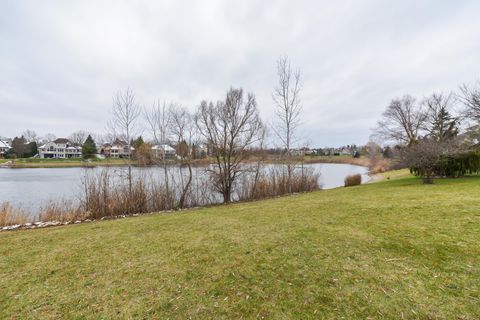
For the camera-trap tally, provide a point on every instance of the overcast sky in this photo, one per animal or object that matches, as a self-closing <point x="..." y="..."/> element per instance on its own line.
<point x="61" y="61"/>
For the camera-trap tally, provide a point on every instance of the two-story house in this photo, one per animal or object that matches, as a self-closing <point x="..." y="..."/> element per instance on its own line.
<point x="60" y="148"/>
<point x="164" y="151"/>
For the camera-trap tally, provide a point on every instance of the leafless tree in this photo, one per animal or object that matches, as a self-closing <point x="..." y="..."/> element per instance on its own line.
<point x="470" y="97"/>
<point x="50" y="137"/>
<point x="183" y="131"/>
<point x="440" y="124"/>
<point x="402" y="121"/>
<point x="100" y="138"/>
<point x="257" y="170"/>
<point x="124" y="124"/>
<point x="230" y="127"/>
<point x="158" y="119"/>
<point x="78" y="137"/>
<point x="288" y="109"/>
<point x="31" y="136"/>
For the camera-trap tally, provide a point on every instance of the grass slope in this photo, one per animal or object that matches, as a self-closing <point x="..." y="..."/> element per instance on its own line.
<point x="387" y="250"/>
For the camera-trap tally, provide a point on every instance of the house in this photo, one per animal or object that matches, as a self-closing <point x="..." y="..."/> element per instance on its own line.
<point x="116" y="149"/>
<point x="164" y="152"/>
<point x="60" y="148"/>
<point x="4" y="148"/>
<point x="346" y="152"/>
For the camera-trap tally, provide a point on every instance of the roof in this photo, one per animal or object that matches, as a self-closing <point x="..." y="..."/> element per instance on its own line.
<point x="4" y="144"/>
<point x="119" y="142"/>
<point x="61" y="140"/>
<point x="164" y="147"/>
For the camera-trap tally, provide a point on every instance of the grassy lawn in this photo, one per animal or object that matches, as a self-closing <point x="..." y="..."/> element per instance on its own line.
<point x="389" y="250"/>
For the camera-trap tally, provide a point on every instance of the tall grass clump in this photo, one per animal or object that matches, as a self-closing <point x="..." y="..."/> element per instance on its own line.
<point x="62" y="211"/>
<point x="274" y="182"/>
<point x="106" y="195"/>
<point x="353" y="180"/>
<point x="11" y="216"/>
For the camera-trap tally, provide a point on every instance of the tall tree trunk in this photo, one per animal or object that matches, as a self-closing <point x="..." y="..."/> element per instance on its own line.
<point x="165" y="173"/>
<point x="187" y="187"/>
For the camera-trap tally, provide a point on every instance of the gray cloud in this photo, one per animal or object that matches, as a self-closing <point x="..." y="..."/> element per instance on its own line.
<point x="61" y="61"/>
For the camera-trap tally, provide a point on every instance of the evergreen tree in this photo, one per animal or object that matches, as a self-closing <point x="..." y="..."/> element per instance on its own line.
<point x="89" y="149"/>
<point x="443" y="126"/>
<point x="20" y="147"/>
<point x="33" y="149"/>
<point x="138" y="142"/>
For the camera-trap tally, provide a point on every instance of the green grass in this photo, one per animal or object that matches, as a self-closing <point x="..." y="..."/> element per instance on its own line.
<point x="386" y="250"/>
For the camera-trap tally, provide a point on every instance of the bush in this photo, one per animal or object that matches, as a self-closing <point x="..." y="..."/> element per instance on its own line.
<point x="353" y="180"/>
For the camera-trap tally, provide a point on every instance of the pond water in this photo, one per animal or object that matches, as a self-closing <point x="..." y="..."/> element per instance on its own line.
<point x="29" y="188"/>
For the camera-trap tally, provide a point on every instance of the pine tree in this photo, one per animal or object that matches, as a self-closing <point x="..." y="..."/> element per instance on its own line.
<point x="138" y="142"/>
<point x="89" y="148"/>
<point x="33" y="149"/>
<point x="443" y="126"/>
<point x="20" y="147"/>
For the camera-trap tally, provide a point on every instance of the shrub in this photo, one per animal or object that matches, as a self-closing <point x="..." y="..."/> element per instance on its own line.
<point x="353" y="180"/>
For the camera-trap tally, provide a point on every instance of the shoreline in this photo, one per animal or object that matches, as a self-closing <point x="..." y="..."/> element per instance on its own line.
<point x="363" y="162"/>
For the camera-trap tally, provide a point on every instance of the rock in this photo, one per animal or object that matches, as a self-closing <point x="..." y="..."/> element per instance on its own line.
<point x="12" y="227"/>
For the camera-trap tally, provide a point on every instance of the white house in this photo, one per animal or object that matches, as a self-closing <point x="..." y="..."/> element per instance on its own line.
<point x="164" y="151"/>
<point x="60" y="149"/>
<point x="4" y="147"/>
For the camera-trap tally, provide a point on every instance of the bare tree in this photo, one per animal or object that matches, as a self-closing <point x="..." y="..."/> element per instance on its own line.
<point x="440" y="124"/>
<point x="402" y="121"/>
<point x="183" y="130"/>
<point x="50" y="137"/>
<point x="230" y="127"/>
<point x="288" y="109"/>
<point x="158" y="119"/>
<point x="125" y="113"/>
<point x="31" y="136"/>
<point x="78" y="137"/>
<point x="470" y="97"/>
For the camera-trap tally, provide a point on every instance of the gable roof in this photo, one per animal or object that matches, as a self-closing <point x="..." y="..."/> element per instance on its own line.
<point x="61" y="140"/>
<point x="119" y="142"/>
<point x="163" y="147"/>
<point x="4" y="144"/>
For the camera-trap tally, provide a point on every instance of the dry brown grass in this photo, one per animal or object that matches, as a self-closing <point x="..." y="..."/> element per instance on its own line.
<point x="104" y="197"/>
<point x="11" y="216"/>
<point x="353" y="180"/>
<point x="379" y="165"/>
<point x="63" y="211"/>
<point x="274" y="182"/>
<point x="363" y="161"/>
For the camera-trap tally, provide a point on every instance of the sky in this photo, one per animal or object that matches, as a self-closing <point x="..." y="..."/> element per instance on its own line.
<point x="62" y="61"/>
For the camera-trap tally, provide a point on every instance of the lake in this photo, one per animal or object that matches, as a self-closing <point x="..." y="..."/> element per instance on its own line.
<point x="31" y="187"/>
